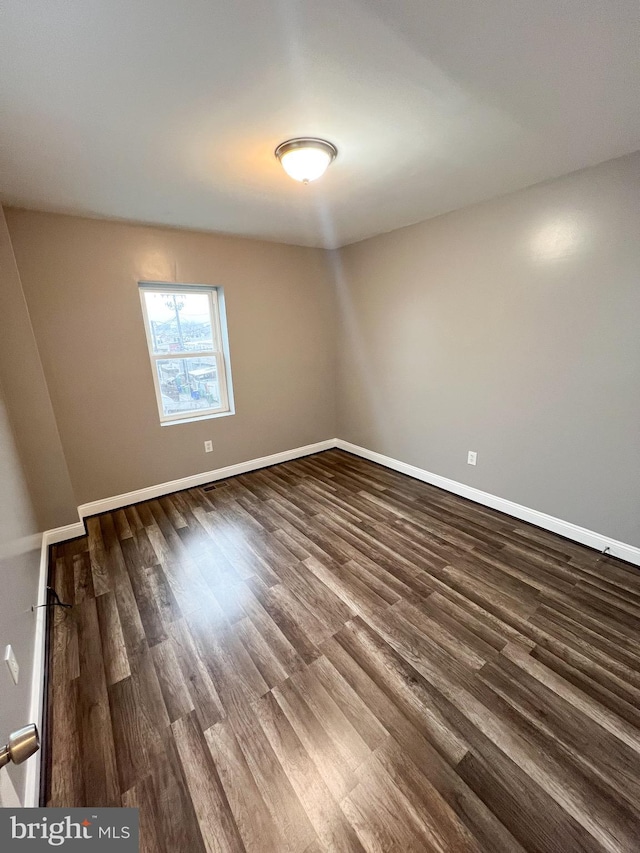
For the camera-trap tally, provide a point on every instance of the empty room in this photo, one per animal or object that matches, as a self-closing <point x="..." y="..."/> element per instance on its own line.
<point x="320" y="426"/>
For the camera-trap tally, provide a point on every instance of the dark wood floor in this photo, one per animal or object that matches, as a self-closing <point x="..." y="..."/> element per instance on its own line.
<point x="327" y="655"/>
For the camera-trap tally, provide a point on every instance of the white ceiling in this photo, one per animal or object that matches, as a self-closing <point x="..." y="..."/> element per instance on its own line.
<point x="168" y="111"/>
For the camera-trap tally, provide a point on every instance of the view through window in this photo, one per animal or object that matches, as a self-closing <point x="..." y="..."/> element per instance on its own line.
<point x="184" y="334"/>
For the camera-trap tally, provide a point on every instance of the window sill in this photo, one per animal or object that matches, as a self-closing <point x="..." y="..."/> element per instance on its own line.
<point x="194" y="418"/>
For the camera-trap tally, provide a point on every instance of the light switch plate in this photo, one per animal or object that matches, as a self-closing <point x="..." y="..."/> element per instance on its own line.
<point x="12" y="663"/>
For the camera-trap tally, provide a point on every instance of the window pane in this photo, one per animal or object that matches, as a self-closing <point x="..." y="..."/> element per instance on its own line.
<point x="188" y="384"/>
<point x="179" y="322"/>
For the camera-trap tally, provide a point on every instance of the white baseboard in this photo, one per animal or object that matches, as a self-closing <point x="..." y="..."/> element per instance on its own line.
<point x="49" y="537"/>
<point x="630" y="553"/>
<point x="151" y="492"/>
<point x="32" y="779"/>
<point x="71" y="531"/>
<point x="62" y="534"/>
<point x="582" y="535"/>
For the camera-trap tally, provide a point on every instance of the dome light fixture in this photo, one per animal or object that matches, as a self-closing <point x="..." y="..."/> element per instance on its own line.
<point x="306" y="159"/>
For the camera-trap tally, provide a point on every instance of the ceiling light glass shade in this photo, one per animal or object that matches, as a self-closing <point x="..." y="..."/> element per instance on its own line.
<point x="306" y="159"/>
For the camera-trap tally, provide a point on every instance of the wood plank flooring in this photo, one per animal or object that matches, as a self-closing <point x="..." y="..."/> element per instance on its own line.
<point x="330" y="656"/>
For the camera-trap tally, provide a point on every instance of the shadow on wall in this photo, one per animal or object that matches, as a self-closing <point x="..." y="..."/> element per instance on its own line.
<point x="19" y="567"/>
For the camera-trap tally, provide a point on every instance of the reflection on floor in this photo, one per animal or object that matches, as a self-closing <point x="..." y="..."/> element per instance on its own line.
<point x="329" y="656"/>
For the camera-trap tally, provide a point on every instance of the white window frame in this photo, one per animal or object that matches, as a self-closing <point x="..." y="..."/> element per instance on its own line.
<point x="219" y="352"/>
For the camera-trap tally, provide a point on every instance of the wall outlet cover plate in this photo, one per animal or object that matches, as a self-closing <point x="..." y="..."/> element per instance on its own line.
<point x="12" y="663"/>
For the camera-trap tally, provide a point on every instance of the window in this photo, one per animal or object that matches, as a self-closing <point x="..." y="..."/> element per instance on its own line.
<point x="186" y="327"/>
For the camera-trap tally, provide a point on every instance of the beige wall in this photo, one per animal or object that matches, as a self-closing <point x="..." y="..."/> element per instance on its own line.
<point x="28" y="402"/>
<point x="80" y="278"/>
<point x="509" y="328"/>
<point x="19" y="566"/>
<point x="35" y="490"/>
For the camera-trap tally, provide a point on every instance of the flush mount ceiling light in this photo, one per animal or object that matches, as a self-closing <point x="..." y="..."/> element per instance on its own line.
<point x="306" y="159"/>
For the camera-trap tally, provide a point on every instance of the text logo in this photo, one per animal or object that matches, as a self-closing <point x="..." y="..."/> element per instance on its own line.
<point x="105" y="830"/>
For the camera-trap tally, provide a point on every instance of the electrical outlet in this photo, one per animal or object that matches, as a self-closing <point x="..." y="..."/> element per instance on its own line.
<point x="12" y="663"/>
<point x="472" y="457"/>
<point x="208" y="446"/>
